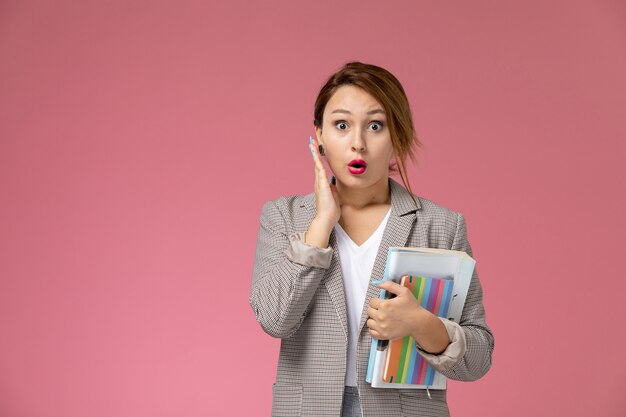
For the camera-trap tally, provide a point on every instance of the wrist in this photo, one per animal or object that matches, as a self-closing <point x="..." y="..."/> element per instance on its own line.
<point x="429" y="332"/>
<point x="420" y="319"/>
<point x="323" y="223"/>
<point x="318" y="233"/>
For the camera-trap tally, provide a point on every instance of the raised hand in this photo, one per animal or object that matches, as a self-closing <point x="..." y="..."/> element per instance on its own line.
<point x="326" y="201"/>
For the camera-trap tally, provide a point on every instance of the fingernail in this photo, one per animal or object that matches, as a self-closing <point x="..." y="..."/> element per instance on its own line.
<point x="310" y="140"/>
<point x="377" y="282"/>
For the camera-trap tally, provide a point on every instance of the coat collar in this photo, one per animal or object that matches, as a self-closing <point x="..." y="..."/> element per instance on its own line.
<point x="399" y="225"/>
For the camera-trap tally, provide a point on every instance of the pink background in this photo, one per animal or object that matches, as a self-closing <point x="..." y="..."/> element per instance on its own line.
<point x="139" y="140"/>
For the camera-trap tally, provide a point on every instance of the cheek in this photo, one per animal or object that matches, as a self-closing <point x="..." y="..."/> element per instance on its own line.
<point x="386" y="152"/>
<point x="332" y="146"/>
<point x="333" y="161"/>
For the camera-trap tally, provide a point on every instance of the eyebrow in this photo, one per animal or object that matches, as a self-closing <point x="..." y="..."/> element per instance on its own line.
<point x="375" y="111"/>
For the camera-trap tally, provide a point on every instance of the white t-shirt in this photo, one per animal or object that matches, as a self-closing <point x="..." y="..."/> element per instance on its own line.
<point x="356" y="265"/>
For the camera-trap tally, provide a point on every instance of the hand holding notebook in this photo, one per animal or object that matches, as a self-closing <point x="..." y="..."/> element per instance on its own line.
<point x="402" y="314"/>
<point x="441" y="267"/>
<point x="394" y="317"/>
<point x="402" y="363"/>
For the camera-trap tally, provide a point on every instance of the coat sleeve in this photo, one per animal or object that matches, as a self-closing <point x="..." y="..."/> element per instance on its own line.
<point x="479" y="340"/>
<point x="286" y="275"/>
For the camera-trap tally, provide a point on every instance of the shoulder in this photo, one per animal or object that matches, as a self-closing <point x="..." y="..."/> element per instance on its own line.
<point x="444" y="228"/>
<point x="436" y="213"/>
<point x="289" y="205"/>
<point x="437" y="226"/>
<point x="426" y="210"/>
<point x="289" y="212"/>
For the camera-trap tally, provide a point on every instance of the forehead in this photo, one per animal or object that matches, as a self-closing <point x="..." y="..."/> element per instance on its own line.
<point x="353" y="99"/>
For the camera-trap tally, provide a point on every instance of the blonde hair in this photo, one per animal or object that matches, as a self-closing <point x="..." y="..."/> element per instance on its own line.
<point x="388" y="91"/>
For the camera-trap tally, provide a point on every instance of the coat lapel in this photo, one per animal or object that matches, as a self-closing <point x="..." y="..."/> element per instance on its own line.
<point x="399" y="226"/>
<point x="401" y="222"/>
<point x="333" y="281"/>
<point x="334" y="284"/>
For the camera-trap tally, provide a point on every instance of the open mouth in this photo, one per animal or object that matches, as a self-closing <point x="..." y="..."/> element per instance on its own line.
<point x="357" y="166"/>
<point x="358" y="163"/>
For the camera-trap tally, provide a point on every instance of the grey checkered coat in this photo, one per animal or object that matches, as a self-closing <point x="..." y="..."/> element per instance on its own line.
<point x="305" y="306"/>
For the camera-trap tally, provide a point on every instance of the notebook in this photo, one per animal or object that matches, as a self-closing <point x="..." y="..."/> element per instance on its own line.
<point x="439" y="266"/>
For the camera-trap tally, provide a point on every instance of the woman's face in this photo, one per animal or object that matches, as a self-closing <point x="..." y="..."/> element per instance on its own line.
<point x="356" y="138"/>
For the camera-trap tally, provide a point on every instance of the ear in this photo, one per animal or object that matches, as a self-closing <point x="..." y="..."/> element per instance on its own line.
<point x="318" y="135"/>
<point x="394" y="166"/>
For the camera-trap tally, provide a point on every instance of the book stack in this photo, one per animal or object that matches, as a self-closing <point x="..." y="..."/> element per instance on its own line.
<point x="439" y="279"/>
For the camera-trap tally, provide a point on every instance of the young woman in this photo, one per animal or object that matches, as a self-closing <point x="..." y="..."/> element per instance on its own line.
<point x="319" y="256"/>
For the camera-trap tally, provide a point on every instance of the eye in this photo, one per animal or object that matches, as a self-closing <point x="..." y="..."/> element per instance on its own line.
<point x="376" y="126"/>
<point x="341" y="125"/>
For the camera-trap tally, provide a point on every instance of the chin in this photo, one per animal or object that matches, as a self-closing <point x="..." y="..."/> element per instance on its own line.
<point x="357" y="182"/>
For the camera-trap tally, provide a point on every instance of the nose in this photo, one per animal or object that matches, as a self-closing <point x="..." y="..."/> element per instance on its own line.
<point x="358" y="141"/>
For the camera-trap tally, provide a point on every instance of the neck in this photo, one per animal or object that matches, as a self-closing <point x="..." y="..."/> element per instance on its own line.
<point x="359" y="198"/>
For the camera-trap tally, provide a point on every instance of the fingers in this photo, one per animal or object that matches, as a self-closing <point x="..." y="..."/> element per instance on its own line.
<point x="377" y="335"/>
<point x="372" y="325"/>
<point x="375" y="330"/>
<point x="313" y="146"/>
<point x="392" y="287"/>
<point x="326" y="194"/>
<point x="320" y="172"/>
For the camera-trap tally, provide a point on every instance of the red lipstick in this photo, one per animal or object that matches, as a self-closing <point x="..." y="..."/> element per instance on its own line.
<point x="357" y="166"/>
